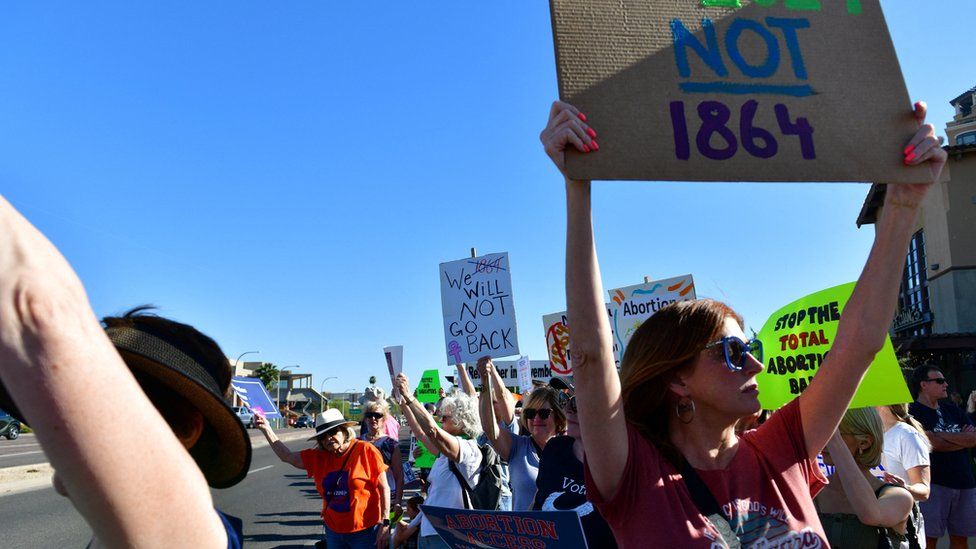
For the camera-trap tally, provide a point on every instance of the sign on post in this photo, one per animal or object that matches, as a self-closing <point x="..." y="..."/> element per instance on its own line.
<point x="463" y="528"/>
<point x="252" y="393"/>
<point x="556" y="327"/>
<point x="479" y="315"/>
<point x="524" y="368"/>
<point x="796" y="340"/>
<point x="730" y="90"/>
<point x="394" y="363"/>
<point x="635" y="304"/>
<point x="428" y="390"/>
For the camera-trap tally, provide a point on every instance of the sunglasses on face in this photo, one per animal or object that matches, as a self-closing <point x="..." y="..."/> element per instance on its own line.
<point x="939" y="380"/>
<point x="567" y="402"/>
<point x="543" y="413"/>
<point x="735" y="350"/>
<point x="373" y="415"/>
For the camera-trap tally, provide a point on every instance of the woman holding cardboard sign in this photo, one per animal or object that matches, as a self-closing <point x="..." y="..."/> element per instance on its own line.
<point x="689" y="374"/>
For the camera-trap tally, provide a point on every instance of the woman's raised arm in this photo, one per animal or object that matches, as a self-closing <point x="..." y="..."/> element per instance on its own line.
<point x="280" y="449"/>
<point x="865" y="320"/>
<point x="423" y="424"/>
<point x="601" y="413"/>
<point x="52" y="347"/>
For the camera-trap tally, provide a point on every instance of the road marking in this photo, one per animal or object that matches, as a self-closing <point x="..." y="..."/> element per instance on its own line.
<point x="259" y="469"/>
<point x="18" y="445"/>
<point x="21" y="454"/>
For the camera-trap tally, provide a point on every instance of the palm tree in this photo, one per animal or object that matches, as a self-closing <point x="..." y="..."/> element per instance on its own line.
<point x="269" y="374"/>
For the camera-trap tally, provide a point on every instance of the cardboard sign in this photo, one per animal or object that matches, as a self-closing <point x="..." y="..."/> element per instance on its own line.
<point x="426" y="459"/>
<point x="508" y="370"/>
<point x="723" y="90"/>
<point x="394" y="363"/>
<point x="252" y="393"/>
<point x="556" y="326"/>
<point x="479" y="315"/>
<point x="634" y="304"/>
<point x="464" y="529"/>
<point x="429" y="388"/>
<point x="523" y="367"/>
<point x="795" y="341"/>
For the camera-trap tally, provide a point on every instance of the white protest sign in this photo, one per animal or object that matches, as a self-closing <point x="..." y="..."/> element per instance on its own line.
<point x="635" y="304"/>
<point x="556" y="327"/>
<point x="508" y="370"/>
<point x="524" y="372"/>
<point x="394" y="363"/>
<point x="479" y="314"/>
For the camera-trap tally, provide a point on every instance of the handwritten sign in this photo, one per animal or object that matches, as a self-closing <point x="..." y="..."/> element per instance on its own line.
<point x="254" y="396"/>
<point x="479" y="315"/>
<point x="428" y="390"/>
<point x="523" y="367"/>
<point x="464" y="529"/>
<point x="394" y="363"/>
<point x="635" y="304"/>
<point x="539" y="370"/>
<point x="730" y="90"/>
<point x="796" y="340"/>
<point x="556" y="327"/>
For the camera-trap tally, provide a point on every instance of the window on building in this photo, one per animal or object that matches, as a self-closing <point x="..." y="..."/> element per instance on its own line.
<point x="914" y="295"/>
<point x="968" y="138"/>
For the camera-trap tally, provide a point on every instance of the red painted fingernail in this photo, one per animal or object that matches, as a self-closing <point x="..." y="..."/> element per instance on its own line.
<point x="582" y="117"/>
<point x="909" y="149"/>
<point x="590" y="132"/>
<point x="586" y="148"/>
<point x="910" y="157"/>
<point x="595" y="145"/>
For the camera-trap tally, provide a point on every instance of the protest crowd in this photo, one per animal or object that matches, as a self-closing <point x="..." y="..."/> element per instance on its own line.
<point x="671" y="449"/>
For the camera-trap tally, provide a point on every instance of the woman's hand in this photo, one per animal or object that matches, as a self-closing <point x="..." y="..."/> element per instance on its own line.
<point x="566" y="128"/>
<point x="893" y="479"/>
<point x="402" y="385"/>
<point x="484" y="368"/>
<point x="383" y="537"/>
<point x="261" y="423"/>
<point x="924" y="147"/>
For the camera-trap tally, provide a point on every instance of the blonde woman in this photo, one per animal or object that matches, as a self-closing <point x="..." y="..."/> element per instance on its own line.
<point x="858" y="508"/>
<point x="375" y="416"/>
<point x="906" y="450"/>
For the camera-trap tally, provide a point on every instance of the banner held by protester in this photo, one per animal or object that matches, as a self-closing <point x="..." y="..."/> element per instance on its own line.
<point x="463" y="528"/>
<point x="479" y="313"/>
<point x="797" y="338"/>
<point x="255" y="396"/>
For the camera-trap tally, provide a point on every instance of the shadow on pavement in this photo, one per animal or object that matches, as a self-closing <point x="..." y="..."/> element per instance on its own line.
<point x="291" y="514"/>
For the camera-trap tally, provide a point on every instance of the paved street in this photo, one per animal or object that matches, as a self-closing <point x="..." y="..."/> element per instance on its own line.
<point x="23" y="451"/>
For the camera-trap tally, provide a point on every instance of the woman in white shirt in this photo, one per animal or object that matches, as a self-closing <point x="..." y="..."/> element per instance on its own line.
<point x="906" y="454"/>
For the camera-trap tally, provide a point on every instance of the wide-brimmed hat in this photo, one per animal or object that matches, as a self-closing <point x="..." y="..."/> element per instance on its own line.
<point x="329" y="420"/>
<point x="223" y="451"/>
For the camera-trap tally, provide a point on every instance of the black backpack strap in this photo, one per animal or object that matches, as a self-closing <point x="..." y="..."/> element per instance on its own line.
<point x="465" y="489"/>
<point x="707" y="505"/>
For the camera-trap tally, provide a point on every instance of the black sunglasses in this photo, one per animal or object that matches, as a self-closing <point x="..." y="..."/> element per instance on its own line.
<point x="543" y="413"/>
<point x="373" y="415"/>
<point x="567" y="401"/>
<point x="939" y="380"/>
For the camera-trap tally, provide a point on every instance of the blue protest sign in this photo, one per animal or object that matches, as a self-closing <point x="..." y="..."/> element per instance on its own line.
<point x="465" y="529"/>
<point x="252" y="392"/>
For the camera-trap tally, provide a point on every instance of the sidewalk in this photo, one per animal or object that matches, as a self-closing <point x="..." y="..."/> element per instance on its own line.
<point x="38" y="475"/>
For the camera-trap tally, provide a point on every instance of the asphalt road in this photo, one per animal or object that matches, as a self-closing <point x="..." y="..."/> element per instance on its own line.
<point x="24" y="450"/>
<point x="278" y="504"/>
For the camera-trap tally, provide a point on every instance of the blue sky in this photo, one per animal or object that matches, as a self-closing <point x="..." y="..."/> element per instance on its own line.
<point x="287" y="176"/>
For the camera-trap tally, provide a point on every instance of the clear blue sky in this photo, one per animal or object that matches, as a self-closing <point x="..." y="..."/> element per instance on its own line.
<point x="287" y="176"/>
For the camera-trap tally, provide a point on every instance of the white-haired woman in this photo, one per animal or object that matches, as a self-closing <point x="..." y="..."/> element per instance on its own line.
<point x="375" y="415"/>
<point x="459" y="416"/>
<point x="858" y="509"/>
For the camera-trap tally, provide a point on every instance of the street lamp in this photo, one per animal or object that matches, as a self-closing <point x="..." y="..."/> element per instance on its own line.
<point x="322" y="388"/>
<point x="278" y="392"/>
<point x="236" y="398"/>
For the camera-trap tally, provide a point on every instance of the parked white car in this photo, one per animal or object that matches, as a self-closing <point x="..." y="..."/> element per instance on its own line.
<point x="246" y="416"/>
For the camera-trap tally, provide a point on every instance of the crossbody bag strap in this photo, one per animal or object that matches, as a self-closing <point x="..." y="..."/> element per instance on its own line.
<point x="465" y="489"/>
<point x="328" y="500"/>
<point x="707" y="505"/>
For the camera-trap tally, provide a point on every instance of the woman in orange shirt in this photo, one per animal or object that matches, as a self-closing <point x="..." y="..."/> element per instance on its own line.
<point x="351" y="478"/>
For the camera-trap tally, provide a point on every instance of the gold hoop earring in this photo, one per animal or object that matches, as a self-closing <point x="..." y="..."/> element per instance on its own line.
<point x="685" y="407"/>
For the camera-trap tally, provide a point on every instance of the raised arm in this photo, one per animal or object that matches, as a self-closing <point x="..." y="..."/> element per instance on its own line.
<point x="501" y="397"/>
<point x="500" y="439"/>
<point x="464" y="381"/>
<point x="888" y="510"/>
<point x="283" y="452"/>
<point x="601" y="412"/>
<point x="422" y="422"/>
<point x="865" y="320"/>
<point x="51" y="348"/>
<point x="415" y="427"/>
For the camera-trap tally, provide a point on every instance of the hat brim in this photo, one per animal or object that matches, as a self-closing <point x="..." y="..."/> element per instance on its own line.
<point x="324" y="429"/>
<point x="223" y="451"/>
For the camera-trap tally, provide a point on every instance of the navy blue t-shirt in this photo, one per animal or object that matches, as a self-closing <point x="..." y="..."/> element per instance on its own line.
<point x="949" y="469"/>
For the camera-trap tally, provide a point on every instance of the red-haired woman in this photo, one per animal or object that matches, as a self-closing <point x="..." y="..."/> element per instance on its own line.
<point x="660" y="442"/>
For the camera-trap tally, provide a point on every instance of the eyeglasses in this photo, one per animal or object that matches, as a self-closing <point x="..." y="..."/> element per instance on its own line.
<point x="543" y="413"/>
<point x="735" y="350"/>
<point x="373" y="415"/>
<point x="939" y="380"/>
<point x="567" y="401"/>
<point x="445" y="417"/>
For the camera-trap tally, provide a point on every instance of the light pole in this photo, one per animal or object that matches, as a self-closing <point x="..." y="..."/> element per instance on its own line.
<point x="278" y="393"/>
<point x="321" y="397"/>
<point x="235" y="368"/>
